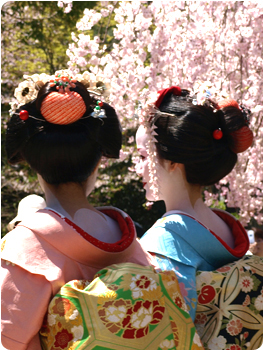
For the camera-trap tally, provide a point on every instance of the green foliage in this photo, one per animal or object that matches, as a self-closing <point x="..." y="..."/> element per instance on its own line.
<point x="36" y="34"/>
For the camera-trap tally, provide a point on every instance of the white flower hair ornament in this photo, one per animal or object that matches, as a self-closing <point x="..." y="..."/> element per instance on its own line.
<point x="204" y="92"/>
<point x="147" y="119"/>
<point x="73" y="104"/>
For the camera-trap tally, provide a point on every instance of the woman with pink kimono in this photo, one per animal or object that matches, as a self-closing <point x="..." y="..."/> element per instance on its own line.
<point x="61" y="130"/>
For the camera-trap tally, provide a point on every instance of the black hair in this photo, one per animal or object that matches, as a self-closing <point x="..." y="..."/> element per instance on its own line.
<point x="258" y="233"/>
<point x="186" y="136"/>
<point x="63" y="153"/>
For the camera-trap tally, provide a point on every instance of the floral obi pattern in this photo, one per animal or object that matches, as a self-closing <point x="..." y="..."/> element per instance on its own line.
<point x="126" y="306"/>
<point x="229" y="313"/>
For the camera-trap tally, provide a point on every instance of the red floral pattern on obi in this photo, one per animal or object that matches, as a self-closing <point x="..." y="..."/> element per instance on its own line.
<point x="61" y="306"/>
<point x="125" y="304"/>
<point x="143" y="283"/>
<point x="140" y="316"/>
<point x="62" y="339"/>
<point x="134" y="319"/>
<point x="112" y="314"/>
<point x="175" y="333"/>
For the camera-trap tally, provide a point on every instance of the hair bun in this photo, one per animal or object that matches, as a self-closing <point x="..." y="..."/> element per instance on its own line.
<point x="63" y="108"/>
<point x="242" y="138"/>
<point x="228" y="103"/>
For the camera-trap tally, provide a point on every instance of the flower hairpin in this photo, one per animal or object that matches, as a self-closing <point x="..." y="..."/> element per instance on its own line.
<point x="147" y="114"/>
<point x="98" y="112"/>
<point x="94" y="84"/>
<point x="28" y="90"/>
<point x="205" y="94"/>
<point x="63" y="81"/>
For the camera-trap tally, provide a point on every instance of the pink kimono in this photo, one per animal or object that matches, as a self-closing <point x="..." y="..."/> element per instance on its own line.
<point x="42" y="254"/>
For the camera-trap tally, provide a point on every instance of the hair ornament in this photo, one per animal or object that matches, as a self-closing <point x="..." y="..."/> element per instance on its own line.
<point x="23" y="115"/>
<point x="217" y="134"/>
<point x="228" y="103"/>
<point x="94" y="84"/>
<point x="246" y="113"/>
<point x="147" y="119"/>
<point x="175" y="90"/>
<point x="63" y="82"/>
<point x="74" y="107"/>
<point x="98" y="112"/>
<point x="243" y="137"/>
<point x="26" y="91"/>
<point x="205" y="94"/>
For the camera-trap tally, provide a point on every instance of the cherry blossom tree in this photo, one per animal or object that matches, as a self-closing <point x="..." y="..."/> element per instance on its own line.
<point x="159" y="44"/>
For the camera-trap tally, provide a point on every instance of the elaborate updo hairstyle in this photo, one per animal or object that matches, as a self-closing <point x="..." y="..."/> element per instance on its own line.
<point x="205" y="138"/>
<point x="63" y="152"/>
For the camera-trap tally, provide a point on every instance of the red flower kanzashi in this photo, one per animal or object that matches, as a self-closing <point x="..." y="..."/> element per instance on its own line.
<point x="62" y="339"/>
<point x="61" y="306"/>
<point x="140" y="316"/>
<point x="234" y="327"/>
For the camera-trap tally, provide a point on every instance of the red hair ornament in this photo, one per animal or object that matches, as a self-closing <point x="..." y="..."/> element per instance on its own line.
<point x="217" y="134"/>
<point x="175" y="90"/>
<point x="23" y="115"/>
<point x="243" y="137"/>
<point x="228" y="103"/>
<point x="63" y="108"/>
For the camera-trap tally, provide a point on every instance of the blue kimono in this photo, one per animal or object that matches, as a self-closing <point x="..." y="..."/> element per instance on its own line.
<point x="181" y="243"/>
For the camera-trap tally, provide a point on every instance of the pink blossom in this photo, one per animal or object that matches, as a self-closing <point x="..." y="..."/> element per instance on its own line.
<point x="189" y="41"/>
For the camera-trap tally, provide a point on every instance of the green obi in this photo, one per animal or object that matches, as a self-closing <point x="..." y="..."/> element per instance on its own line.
<point x="126" y="306"/>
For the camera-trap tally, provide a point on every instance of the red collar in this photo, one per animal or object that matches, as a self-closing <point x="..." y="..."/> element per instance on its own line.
<point x="126" y="226"/>
<point x="239" y="233"/>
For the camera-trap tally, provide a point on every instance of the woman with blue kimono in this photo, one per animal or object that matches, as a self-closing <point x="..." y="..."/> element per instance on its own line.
<point x="185" y="143"/>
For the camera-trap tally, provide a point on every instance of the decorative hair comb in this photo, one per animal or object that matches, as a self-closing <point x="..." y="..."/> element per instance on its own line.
<point x="62" y="106"/>
<point x="146" y="119"/>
